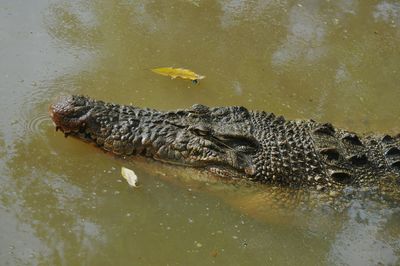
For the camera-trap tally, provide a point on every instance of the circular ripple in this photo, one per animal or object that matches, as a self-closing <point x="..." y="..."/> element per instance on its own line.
<point x="37" y="123"/>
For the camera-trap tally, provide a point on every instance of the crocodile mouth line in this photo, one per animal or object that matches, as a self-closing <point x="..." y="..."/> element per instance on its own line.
<point x="219" y="169"/>
<point x="215" y="168"/>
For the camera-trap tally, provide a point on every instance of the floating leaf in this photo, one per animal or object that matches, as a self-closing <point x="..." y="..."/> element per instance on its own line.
<point x="178" y="73"/>
<point x="130" y="176"/>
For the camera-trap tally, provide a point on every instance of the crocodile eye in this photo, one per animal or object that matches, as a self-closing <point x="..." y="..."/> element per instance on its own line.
<point x="202" y="133"/>
<point x="200" y="130"/>
<point x="240" y="143"/>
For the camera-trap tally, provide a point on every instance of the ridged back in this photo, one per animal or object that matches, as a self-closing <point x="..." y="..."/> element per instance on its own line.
<point x="304" y="152"/>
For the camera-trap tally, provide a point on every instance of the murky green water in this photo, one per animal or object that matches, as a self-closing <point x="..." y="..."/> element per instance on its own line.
<point x="64" y="203"/>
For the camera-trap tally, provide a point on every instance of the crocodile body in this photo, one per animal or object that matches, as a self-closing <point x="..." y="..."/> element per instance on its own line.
<point x="233" y="142"/>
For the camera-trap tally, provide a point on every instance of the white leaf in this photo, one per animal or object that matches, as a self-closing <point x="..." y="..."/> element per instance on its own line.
<point x="130" y="176"/>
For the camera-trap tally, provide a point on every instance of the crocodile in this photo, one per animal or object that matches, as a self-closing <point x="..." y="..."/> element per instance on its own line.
<point x="235" y="143"/>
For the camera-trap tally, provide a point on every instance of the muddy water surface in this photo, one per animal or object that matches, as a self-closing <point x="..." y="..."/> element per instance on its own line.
<point x="64" y="203"/>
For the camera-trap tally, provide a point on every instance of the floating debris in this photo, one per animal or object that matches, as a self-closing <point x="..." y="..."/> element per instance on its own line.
<point x="214" y="253"/>
<point x="178" y="73"/>
<point x="130" y="176"/>
<point x="194" y="2"/>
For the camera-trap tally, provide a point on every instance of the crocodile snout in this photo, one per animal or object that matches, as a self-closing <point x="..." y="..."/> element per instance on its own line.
<point x="69" y="113"/>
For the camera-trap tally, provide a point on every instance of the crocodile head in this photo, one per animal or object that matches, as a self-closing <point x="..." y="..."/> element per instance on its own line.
<point x="217" y="139"/>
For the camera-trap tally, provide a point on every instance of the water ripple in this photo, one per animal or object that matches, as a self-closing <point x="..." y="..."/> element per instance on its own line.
<point x="37" y="123"/>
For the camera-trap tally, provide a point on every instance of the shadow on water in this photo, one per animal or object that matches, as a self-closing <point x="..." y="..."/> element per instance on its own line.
<point x="310" y="60"/>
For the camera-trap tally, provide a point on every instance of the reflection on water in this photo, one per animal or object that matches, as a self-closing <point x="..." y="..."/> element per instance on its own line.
<point x="363" y="232"/>
<point x="388" y="12"/>
<point x="73" y="24"/>
<point x="63" y="202"/>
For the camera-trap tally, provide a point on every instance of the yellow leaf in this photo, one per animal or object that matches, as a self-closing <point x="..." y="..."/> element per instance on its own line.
<point x="178" y="73"/>
<point x="130" y="176"/>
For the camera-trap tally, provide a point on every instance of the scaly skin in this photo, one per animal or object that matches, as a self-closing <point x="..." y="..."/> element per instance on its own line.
<point x="233" y="142"/>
